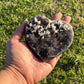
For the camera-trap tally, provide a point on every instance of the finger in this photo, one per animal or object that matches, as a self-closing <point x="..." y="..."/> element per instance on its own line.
<point x="57" y="16"/>
<point x="54" y="61"/>
<point x="18" y="34"/>
<point x="67" y="19"/>
<point x="45" y="68"/>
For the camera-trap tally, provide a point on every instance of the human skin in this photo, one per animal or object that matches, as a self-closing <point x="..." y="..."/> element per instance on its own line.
<point x="21" y="66"/>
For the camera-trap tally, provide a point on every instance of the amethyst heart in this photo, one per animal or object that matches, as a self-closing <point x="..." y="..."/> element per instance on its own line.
<point x="48" y="38"/>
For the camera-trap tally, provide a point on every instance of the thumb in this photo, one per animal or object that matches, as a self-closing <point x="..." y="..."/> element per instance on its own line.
<point x="19" y="32"/>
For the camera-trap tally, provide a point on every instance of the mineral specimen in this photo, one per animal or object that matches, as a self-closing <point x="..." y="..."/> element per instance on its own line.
<point x="48" y="38"/>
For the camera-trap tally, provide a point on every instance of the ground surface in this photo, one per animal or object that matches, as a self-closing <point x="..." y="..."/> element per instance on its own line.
<point x="70" y="68"/>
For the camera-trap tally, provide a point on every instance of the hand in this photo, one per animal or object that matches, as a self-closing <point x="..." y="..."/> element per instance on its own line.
<point x="20" y="59"/>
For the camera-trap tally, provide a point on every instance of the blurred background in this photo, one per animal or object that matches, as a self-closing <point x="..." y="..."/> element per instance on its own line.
<point x="70" y="67"/>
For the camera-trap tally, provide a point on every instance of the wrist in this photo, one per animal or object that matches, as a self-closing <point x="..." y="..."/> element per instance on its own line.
<point x="10" y="75"/>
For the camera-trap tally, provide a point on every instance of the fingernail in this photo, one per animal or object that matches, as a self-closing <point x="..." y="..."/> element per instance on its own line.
<point x="26" y="20"/>
<point x="60" y="13"/>
<point x="55" y="58"/>
<point x="57" y="16"/>
<point x="67" y="19"/>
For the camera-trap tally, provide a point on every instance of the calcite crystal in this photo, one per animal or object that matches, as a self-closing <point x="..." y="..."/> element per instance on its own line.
<point x="48" y="38"/>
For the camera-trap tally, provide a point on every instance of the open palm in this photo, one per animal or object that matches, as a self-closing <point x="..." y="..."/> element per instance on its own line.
<point x="22" y="59"/>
